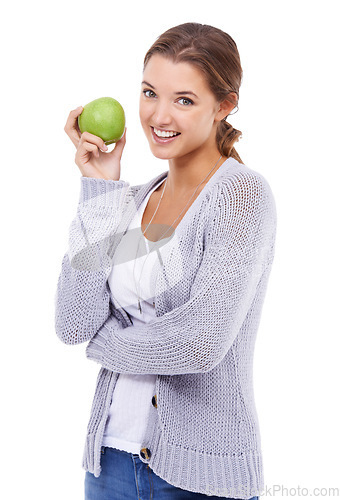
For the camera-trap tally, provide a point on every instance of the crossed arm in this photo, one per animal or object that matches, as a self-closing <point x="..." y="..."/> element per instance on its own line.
<point x="195" y="336"/>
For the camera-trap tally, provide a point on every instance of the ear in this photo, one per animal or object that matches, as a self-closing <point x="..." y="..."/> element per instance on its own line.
<point x="225" y="107"/>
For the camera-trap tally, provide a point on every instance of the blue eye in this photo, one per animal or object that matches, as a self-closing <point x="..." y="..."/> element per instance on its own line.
<point x="185" y="101"/>
<point x="149" y="93"/>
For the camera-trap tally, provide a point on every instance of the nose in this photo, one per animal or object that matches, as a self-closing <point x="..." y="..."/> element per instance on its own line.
<point x="162" y="114"/>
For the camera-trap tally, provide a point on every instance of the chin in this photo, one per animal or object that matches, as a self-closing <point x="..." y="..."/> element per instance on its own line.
<point x="160" y="152"/>
<point x="161" y="156"/>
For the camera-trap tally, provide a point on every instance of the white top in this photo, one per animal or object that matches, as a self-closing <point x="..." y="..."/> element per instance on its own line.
<point x="133" y="393"/>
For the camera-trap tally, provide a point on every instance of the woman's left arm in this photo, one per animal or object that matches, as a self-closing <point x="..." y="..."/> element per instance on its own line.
<point x="195" y="336"/>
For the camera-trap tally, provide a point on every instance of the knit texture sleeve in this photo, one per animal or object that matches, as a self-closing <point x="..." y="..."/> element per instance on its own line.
<point x="195" y="336"/>
<point x="82" y="295"/>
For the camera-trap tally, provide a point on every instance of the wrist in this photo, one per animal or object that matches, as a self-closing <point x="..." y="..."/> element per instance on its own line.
<point x="96" y="347"/>
<point x="102" y="191"/>
<point x="101" y="178"/>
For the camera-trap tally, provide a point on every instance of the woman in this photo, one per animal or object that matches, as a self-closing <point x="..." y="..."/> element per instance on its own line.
<point x="166" y="281"/>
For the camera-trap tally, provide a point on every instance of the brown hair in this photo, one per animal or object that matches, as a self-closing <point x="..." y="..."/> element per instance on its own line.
<point x="215" y="54"/>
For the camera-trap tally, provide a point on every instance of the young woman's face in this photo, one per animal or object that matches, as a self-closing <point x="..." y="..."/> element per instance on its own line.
<point x="178" y="111"/>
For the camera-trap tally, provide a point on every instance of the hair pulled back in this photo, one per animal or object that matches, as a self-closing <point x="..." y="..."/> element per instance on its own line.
<point x="215" y="54"/>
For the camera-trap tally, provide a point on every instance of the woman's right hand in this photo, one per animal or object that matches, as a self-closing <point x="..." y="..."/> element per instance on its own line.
<point x="90" y="156"/>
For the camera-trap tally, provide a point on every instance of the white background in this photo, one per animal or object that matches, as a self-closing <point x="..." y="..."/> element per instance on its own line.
<point x="56" y="57"/>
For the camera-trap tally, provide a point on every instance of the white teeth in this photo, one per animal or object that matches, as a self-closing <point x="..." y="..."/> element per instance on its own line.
<point x="165" y="133"/>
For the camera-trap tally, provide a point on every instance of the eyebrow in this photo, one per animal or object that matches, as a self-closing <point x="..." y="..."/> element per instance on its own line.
<point x="182" y="92"/>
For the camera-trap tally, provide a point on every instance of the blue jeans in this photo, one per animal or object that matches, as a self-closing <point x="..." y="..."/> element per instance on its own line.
<point x="125" y="477"/>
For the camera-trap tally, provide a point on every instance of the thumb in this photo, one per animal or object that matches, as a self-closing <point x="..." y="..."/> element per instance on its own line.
<point x="118" y="149"/>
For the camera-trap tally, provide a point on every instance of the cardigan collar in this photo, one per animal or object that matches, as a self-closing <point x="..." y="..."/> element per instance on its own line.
<point x="135" y="202"/>
<point x="220" y="172"/>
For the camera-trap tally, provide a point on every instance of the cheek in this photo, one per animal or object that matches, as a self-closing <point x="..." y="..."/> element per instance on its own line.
<point x="200" y="124"/>
<point x="143" y="111"/>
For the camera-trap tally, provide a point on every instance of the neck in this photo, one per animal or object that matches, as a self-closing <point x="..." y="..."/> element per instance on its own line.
<point x="186" y="173"/>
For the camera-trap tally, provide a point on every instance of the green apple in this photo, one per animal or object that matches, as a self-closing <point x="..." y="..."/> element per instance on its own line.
<point x="103" y="117"/>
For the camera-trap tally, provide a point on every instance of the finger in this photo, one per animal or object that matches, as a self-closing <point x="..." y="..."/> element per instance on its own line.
<point x="87" y="147"/>
<point x="94" y="139"/>
<point x="71" y="128"/>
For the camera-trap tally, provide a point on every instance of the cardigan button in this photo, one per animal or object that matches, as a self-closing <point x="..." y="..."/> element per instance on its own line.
<point x="154" y="401"/>
<point x="145" y="453"/>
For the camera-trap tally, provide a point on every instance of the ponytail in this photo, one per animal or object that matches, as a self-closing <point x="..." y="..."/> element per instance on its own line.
<point x="226" y="136"/>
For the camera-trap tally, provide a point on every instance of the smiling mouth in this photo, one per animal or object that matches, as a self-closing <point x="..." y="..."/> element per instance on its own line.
<point x="164" y="134"/>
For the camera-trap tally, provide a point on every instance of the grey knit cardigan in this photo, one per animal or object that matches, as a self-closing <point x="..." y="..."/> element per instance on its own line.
<point x="203" y="432"/>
